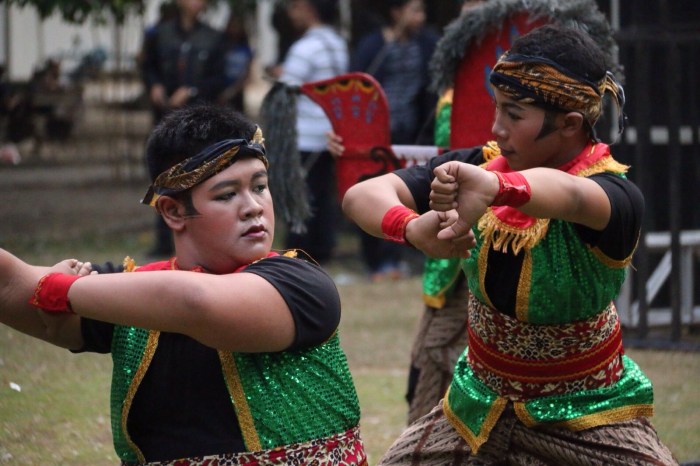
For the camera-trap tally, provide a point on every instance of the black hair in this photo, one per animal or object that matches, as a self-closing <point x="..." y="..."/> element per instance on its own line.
<point x="388" y="6"/>
<point x="570" y="48"/>
<point x="327" y="10"/>
<point x="185" y="132"/>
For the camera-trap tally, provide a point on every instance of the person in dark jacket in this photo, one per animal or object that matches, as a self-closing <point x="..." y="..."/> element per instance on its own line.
<point x="397" y="55"/>
<point x="181" y="64"/>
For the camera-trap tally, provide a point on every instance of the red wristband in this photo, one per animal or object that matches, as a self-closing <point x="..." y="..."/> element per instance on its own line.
<point x="513" y="189"/>
<point x="51" y="293"/>
<point x="394" y="223"/>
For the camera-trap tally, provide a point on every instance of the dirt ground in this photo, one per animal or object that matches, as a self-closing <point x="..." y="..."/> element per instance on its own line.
<point x="66" y="201"/>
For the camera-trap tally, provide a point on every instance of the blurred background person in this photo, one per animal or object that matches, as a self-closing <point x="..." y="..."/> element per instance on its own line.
<point x="181" y="63"/>
<point x="397" y="55"/>
<point x="320" y="53"/>
<point x="238" y="57"/>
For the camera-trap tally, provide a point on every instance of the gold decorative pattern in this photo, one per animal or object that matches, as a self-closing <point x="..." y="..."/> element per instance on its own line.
<point x="606" y="164"/>
<point x="129" y="264"/>
<point x="622" y="413"/>
<point x="533" y="81"/>
<point x="614" y="263"/>
<point x="504" y="235"/>
<point x="235" y="387"/>
<point x="483" y="268"/>
<point x="149" y="352"/>
<point x="610" y="416"/>
<point x="522" y="297"/>
<point x="475" y="441"/>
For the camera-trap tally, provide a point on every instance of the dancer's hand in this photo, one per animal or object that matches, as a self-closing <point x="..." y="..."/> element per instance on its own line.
<point x="72" y="267"/>
<point x="422" y="233"/>
<point x="334" y="143"/>
<point x="468" y="189"/>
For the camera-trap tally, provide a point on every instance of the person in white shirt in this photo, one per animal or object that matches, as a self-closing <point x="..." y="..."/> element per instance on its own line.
<point x="320" y="53"/>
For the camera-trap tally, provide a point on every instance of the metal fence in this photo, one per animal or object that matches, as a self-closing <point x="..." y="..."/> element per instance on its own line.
<point x="659" y="304"/>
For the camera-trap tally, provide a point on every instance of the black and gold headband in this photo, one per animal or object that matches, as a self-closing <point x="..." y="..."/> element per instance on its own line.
<point x="539" y="81"/>
<point x="207" y="163"/>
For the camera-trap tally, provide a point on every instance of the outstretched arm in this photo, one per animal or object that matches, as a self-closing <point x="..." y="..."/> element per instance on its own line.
<point x="234" y="312"/>
<point x="17" y="284"/>
<point x="553" y="194"/>
<point x="368" y="202"/>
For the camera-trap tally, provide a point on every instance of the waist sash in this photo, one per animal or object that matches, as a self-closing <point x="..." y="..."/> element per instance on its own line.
<point x="521" y="361"/>
<point x="341" y="449"/>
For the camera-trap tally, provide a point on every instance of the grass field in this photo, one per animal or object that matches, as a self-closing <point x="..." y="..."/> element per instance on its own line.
<point x="54" y="407"/>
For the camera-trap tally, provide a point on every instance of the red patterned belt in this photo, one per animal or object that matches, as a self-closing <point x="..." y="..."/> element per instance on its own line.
<point x="345" y="449"/>
<point x="520" y="360"/>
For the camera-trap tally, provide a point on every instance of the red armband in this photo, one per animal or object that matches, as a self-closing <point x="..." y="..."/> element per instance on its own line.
<point x="51" y="293"/>
<point x="513" y="189"/>
<point x="394" y="223"/>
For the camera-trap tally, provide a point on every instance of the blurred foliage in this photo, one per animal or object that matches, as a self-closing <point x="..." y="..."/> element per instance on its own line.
<point x="79" y="11"/>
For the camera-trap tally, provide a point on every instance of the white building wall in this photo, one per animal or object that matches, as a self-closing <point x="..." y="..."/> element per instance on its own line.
<point x="32" y="41"/>
<point x="29" y="41"/>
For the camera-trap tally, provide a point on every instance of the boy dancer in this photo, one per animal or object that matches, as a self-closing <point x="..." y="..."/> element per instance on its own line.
<point x="544" y="380"/>
<point x="225" y="354"/>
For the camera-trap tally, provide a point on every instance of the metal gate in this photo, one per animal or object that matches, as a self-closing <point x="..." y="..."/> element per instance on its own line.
<point x="659" y="303"/>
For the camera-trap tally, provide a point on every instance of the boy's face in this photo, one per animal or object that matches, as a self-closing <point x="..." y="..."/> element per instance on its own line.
<point x="411" y="16"/>
<point x="527" y="135"/>
<point x="236" y="222"/>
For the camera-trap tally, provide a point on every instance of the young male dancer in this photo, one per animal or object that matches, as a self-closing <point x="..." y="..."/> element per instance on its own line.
<point x="227" y="353"/>
<point x="544" y="380"/>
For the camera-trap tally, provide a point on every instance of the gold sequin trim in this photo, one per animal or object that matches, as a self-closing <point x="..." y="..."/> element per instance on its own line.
<point x="235" y="387"/>
<point x="483" y="268"/>
<point x="475" y="441"/>
<point x="620" y="414"/>
<point x="522" y="298"/>
<point x="436" y="302"/>
<point x="523" y="414"/>
<point x="615" y="263"/>
<point x="149" y="352"/>
<point x="609" y="261"/>
<point x="504" y="235"/>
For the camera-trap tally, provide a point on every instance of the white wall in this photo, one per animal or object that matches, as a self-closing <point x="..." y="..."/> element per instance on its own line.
<point x="32" y="41"/>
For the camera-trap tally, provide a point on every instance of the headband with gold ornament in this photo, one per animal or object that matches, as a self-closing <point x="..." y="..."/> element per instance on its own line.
<point x="207" y="163"/>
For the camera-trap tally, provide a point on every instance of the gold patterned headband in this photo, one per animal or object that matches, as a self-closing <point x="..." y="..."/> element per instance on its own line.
<point x="207" y="163"/>
<point x="539" y="81"/>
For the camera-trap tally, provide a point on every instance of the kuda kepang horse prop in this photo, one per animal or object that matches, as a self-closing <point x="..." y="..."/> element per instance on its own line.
<point x="358" y="110"/>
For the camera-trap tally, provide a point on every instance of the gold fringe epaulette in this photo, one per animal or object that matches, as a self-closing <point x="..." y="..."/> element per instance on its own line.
<point x="291" y="253"/>
<point x="129" y="264"/>
<point x="490" y="151"/>
<point x="503" y="235"/>
<point x="606" y="164"/>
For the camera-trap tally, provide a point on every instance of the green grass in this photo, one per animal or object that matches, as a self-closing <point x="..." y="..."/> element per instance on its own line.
<point x="61" y="414"/>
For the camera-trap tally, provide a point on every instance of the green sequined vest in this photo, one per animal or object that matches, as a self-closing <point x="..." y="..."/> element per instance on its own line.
<point x="279" y="398"/>
<point x="562" y="280"/>
<point x="440" y="275"/>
